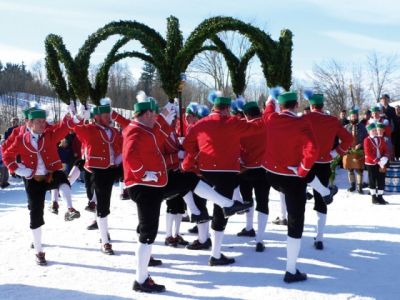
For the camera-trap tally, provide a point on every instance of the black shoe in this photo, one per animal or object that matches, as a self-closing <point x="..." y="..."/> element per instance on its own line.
<point x="196" y="245"/>
<point x="289" y="277"/>
<point x="352" y="188"/>
<point x="364" y="185"/>
<point x="171" y="241"/>
<point x="319" y="245"/>
<point x="333" y="189"/>
<point x="381" y="200"/>
<point x="107" y="249"/>
<point x="180" y="241"/>
<point x="93" y="226"/>
<point x="41" y="259"/>
<point x="360" y="190"/>
<point x="4" y="185"/>
<point x="54" y="207"/>
<point x="260" y="247"/>
<point x="91" y="206"/>
<point x="154" y="262"/>
<point x="148" y="286"/>
<point x="309" y="196"/>
<point x="222" y="261"/>
<point x="32" y="246"/>
<point x="244" y="232"/>
<point x="279" y="221"/>
<point x="375" y="199"/>
<point x="201" y="218"/>
<point x="194" y="229"/>
<point x="186" y="219"/>
<point x="71" y="214"/>
<point x="124" y="195"/>
<point x="235" y="208"/>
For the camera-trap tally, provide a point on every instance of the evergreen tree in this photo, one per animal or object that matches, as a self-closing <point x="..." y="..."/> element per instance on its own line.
<point x="146" y="80"/>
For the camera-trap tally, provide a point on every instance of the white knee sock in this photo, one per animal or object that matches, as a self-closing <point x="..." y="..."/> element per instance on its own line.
<point x="207" y="192"/>
<point x="203" y="231"/>
<point x="217" y="237"/>
<point x="292" y="253"/>
<point x="321" y="226"/>
<point x="169" y="218"/>
<point x="121" y="187"/>
<point x="54" y="195"/>
<point x="103" y="228"/>
<point x="283" y="206"/>
<point x="177" y="227"/>
<point x="236" y="194"/>
<point x="249" y="218"/>
<point x="380" y="192"/>
<point x="37" y="239"/>
<point x="188" y="198"/>
<point x="372" y="191"/>
<point x="262" y="220"/>
<point x="94" y="198"/>
<point x="143" y="253"/>
<point x="74" y="175"/>
<point x="319" y="187"/>
<point x="65" y="192"/>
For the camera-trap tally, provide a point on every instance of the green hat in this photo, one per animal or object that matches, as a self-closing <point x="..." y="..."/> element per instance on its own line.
<point x="142" y="106"/>
<point x="222" y="100"/>
<point x="95" y="111"/>
<point x="249" y="105"/>
<point x="103" y="109"/>
<point x="26" y="112"/>
<point x="371" y="126"/>
<point x="37" y="114"/>
<point x="380" y="125"/>
<point x="316" y="99"/>
<point x="287" y="97"/>
<point x="353" y="111"/>
<point x="376" y="109"/>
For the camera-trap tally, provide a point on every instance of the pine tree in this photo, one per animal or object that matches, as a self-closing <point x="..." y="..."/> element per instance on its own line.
<point x="146" y="80"/>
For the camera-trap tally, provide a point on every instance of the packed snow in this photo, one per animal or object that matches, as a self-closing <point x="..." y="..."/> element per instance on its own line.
<point x="361" y="259"/>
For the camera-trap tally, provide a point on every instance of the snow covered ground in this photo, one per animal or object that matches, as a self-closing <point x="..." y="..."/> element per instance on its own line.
<point x="361" y="259"/>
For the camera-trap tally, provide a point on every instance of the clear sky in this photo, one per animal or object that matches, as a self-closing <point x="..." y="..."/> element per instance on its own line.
<point x="323" y="29"/>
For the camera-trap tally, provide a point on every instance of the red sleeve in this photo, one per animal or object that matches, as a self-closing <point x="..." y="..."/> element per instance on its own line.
<point x="310" y="150"/>
<point x="346" y="139"/>
<point x="62" y="129"/>
<point x="192" y="149"/>
<point x="269" y="110"/>
<point x="245" y="128"/>
<point x="119" y="119"/>
<point x="10" y="155"/>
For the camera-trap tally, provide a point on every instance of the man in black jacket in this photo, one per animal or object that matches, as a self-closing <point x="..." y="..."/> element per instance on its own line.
<point x="393" y="119"/>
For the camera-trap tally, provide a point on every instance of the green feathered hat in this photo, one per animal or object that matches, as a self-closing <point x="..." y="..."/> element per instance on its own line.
<point x="371" y="126"/>
<point x="37" y="114"/>
<point x="287" y="97"/>
<point x="376" y="109"/>
<point x="250" y="105"/>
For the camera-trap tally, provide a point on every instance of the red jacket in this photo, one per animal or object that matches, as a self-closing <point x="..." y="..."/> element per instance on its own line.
<point x="14" y="134"/>
<point x="214" y="142"/>
<point x="47" y="148"/>
<point x="97" y="145"/>
<point x="141" y="152"/>
<point x="252" y="149"/>
<point x="326" y="128"/>
<point x="290" y="142"/>
<point x="374" y="149"/>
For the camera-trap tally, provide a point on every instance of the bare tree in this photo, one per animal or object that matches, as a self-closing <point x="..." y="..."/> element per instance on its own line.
<point x="330" y="79"/>
<point x="381" y="70"/>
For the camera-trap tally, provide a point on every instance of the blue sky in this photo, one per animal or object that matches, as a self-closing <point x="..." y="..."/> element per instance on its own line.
<point x="343" y="30"/>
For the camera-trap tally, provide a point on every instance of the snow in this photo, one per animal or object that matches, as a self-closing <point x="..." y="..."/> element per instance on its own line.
<point x="361" y="259"/>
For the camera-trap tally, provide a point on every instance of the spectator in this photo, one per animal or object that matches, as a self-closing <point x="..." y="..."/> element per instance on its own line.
<point x="366" y="117"/>
<point x="3" y="174"/>
<point x="14" y="124"/>
<point x="343" y="117"/>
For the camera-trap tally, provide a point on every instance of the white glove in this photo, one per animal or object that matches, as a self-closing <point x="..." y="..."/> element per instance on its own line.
<point x="334" y="153"/>
<point x="84" y="113"/>
<point x="23" y="171"/>
<point x="72" y="108"/>
<point x="181" y="154"/>
<point x="294" y="169"/>
<point x="150" y="176"/>
<point x="170" y="106"/>
<point x="383" y="161"/>
<point x="169" y="116"/>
